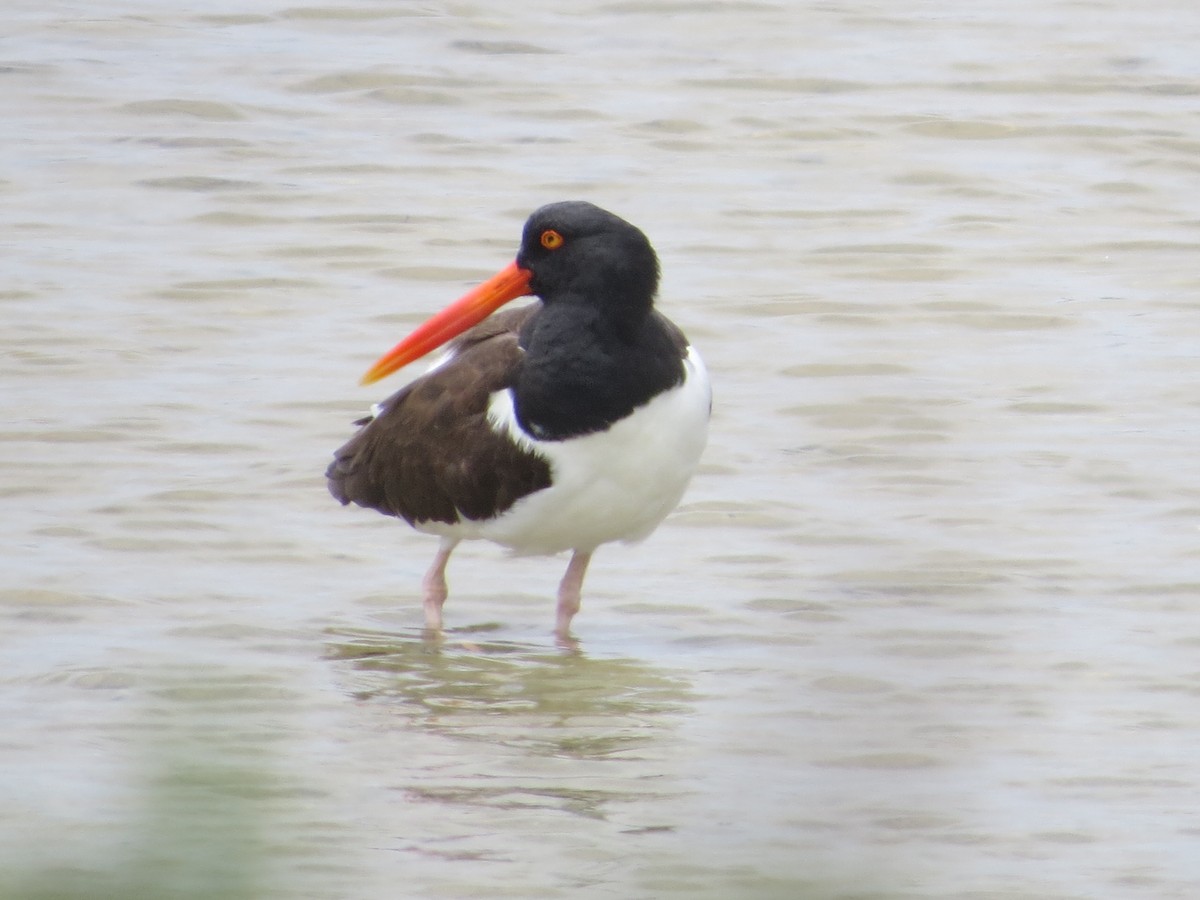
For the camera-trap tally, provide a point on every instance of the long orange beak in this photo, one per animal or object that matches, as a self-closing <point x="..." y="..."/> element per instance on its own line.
<point x="472" y="308"/>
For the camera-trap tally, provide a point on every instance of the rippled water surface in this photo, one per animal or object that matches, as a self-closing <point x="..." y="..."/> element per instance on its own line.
<point x="925" y="626"/>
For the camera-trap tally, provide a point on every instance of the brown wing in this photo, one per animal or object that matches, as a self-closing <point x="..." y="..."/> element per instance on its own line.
<point x="429" y="454"/>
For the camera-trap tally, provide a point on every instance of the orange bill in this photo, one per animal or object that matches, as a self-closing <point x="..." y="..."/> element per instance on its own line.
<point x="469" y="310"/>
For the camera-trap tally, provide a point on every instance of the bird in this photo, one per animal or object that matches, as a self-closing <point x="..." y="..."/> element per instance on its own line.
<point x="573" y="421"/>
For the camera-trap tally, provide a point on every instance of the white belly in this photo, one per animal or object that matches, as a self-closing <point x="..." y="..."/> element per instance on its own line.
<point x="614" y="485"/>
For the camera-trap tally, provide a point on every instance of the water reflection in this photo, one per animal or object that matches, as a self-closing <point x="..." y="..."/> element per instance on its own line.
<point x="547" y="701"/>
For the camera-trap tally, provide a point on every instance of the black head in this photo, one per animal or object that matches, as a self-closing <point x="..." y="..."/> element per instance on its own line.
<point x="578" y="252"/>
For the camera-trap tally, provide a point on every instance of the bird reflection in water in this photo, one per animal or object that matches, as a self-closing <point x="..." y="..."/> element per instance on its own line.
<point x="470" y="685"/>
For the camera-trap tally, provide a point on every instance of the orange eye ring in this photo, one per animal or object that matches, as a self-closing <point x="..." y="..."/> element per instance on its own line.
<point x="551" y="239"/>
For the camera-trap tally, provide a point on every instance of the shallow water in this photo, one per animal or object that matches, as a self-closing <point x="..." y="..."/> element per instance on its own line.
<point x="925" y="624"/>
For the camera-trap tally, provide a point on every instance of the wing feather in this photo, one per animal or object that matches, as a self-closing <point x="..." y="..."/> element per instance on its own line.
<point x="430" y="453"/>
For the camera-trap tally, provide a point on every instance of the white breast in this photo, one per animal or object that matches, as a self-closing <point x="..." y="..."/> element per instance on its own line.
<point x="614" y="485"/>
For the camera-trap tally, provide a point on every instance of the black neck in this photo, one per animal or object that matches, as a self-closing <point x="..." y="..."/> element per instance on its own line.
<point x="583" y="370"/>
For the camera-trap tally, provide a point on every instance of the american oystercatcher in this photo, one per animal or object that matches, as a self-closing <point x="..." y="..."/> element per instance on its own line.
<point x="564" y="424"/>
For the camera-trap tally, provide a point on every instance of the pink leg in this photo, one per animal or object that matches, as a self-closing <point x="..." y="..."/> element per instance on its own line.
<point x="434" y="585"/>
<point x="568" y="590"/>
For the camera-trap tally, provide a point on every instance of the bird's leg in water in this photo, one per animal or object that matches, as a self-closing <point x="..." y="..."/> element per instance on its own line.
<point x="434" y="585"/>
<point x="568" y="590"/>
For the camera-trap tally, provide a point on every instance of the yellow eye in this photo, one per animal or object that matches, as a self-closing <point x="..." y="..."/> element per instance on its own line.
<point x="551" y="239"/>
